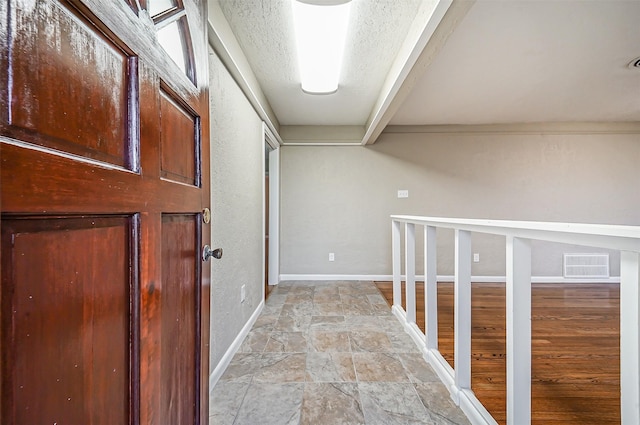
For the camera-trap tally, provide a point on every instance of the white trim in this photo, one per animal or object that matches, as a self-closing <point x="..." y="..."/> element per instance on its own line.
<point x="321" y="144"/>
<point x="321" y="135"/>
<point x="558" y="279"/>
<point x="629" y="338"/>
<point x="430" y="287"/>
<point x="334" y="277"/>
<point x="441" y="278"/>
<point x="396" y="262"/>
<point x="269" y="137"/>
<point x="520" y="128"/>
<point x="464" y="398"/>
<point x="274" y="208"/>
<point x="410" y="270"/>
<point x="475" y="411"/>
<point x="462" y="310"/>
<point x="222" y="365"/>
<point x="518" y="335"/>
<point x="265" y="143"/>
<point x="611" y="236"/>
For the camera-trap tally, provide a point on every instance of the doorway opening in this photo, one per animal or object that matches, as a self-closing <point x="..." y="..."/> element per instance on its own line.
<point x="271" y="210"/>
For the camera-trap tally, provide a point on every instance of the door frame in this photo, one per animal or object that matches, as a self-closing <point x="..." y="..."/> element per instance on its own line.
<point x="270" y="140"/>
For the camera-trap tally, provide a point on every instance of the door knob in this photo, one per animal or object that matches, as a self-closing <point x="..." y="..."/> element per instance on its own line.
<point x="207" y="253"/>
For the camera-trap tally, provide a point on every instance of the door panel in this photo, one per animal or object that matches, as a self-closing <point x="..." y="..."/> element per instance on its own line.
<point x="179" y="141"/>
<point x="104" y="157"/>
<point x="92" y="119"/>
<point x="66" y="322"/>
<point x="180" y="300"/>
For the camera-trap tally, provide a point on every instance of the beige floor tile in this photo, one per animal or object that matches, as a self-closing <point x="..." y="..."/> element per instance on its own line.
<point x="287" y="342"/>
<point x="322" y="341"/>
<point x="271" y="404"/>
<point x="392" y="404"/>
<point x="330" y="367"/>
<point x="379" y="367"/>
<point x="331" y="403"/>
<point x="330" y="353"/>
<point x="370" y="341"/>
<point x="282" y="367"/>
<point x="225" y="401"/>
<point x="417" y="368"/>
<point x="328" y="323"/>
<point x="327" y="309"/>
<point x="436" y="399"/>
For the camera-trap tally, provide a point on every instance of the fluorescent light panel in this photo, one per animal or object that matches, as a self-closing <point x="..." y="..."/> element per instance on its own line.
<point x="321" y="32"/>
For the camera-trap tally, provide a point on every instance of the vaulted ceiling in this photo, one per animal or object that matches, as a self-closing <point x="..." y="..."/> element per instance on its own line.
<point x="428" y="62"/>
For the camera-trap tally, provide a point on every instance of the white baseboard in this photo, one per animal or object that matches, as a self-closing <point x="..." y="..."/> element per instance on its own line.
<point x="441" y="278"/>
<point x="334" y="277"/>
<point x="234" y="347"/>
<point x="464" y="398"/>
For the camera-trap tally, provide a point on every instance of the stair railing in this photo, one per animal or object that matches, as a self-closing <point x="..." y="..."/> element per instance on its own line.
<point x="518" y="236"/>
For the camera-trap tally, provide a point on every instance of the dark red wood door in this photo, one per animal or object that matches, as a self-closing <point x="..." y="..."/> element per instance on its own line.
<point x="104" y="155"/>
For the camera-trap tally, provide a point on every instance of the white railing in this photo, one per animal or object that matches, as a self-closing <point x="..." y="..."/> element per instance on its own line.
<point x="518" y="235"/>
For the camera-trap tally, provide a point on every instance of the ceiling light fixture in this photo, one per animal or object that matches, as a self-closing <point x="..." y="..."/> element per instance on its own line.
<point x="321" y="32"/>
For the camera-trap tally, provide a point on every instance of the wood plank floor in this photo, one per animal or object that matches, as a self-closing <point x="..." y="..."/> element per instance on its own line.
<point x="575" y="349"/>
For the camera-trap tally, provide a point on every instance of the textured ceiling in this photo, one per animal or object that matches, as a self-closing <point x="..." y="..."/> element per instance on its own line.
<point x="264" y="29"/>
<point x="533" y="61"/>
<point x="506" y="61"/>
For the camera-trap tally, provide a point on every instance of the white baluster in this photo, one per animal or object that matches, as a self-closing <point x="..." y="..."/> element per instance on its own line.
<point x="397" y="264"/>
<point x="462" y="319"/>
<point x="410" y="270"/>
<point x="518" y="331"/>
<point x="430" y="287"/>
<point x="630" y="337"/>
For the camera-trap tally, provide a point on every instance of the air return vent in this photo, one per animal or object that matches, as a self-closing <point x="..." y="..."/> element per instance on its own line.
<point x="590" y="266"/>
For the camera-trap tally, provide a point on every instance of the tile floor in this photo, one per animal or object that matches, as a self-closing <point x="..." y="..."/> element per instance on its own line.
<point x="329" y="353"/>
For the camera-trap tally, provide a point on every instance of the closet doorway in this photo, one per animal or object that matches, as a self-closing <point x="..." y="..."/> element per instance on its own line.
<point x="271" y="211"/>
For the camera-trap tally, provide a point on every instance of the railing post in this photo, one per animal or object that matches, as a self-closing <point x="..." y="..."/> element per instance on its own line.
<point x="630" y="337"/>
<point x="410" y="270"/>
<point x="396" y="258"/>
<point x="518" y="331"/>
<point x="462" y="306"/>
<point x="430" y="288"/>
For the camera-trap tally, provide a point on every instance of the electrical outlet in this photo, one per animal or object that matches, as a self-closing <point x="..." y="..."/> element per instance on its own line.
<point x="476" y="257"/>
<point x="242" y="293"/>
<point x="403" y="194"/>
<point x="332" y="256"/>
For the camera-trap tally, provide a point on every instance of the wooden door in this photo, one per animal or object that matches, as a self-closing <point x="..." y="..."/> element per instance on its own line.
<point x="104" y="154"/>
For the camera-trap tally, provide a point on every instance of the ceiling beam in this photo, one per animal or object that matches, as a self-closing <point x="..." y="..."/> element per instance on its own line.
<point x="428" y="35"/>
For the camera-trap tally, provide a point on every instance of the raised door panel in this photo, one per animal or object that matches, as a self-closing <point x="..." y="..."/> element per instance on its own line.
<point x="180" y="141"/>
<point x="67" y="286"/>
<point x="180" y="306"/>
<point x="69" y="85"/>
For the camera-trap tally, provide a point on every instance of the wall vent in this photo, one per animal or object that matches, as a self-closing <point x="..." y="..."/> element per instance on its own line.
<point x="590" y="266"/>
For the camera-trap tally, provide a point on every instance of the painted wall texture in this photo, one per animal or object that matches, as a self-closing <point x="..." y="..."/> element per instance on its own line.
<point x="338" y="199"/>
<point x="237" y="218"/>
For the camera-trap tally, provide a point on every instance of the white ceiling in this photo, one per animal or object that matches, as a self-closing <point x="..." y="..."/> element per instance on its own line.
<point x="533" y="61"/>
<point x="507" y="61"/>
<point x="264" y="29"/>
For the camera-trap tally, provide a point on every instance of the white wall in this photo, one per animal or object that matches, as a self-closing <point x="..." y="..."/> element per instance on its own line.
<point x="237" y="179"/>
<point x="338" y="199"/>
